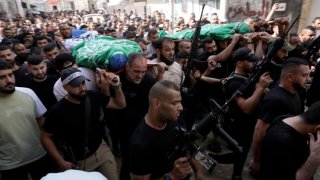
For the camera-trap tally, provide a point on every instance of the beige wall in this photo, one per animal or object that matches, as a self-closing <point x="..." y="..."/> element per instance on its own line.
<point x="310" y="10"/>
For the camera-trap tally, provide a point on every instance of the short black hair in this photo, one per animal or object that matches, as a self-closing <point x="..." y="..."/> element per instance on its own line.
<point x="139" y="39"/>
<point x="159" y="42"/>
<point x="152" y="32"/>
<point x="182" y="54"/>
<point x="62" y="59"/>
<point x="292" y="63"/>
<point x="36" y="50"/>
<point x="35" y="59"/>
<point x="130" y="34"/>
<point x="41" y="37"/>
<point x="7" y="28"/>
<point x="183" y="41"/>
<point x="4" y="47"/>
<point x="49" y="47"/>
<point x="207" y="40"/>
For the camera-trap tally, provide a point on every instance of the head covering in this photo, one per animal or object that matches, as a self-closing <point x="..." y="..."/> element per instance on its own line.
<point x="286" y="46"/>
<point x="117" y="61"/>
<point x="72" y="76"/>
<point x="64" y="60"/>
<point x="243" y="54"/>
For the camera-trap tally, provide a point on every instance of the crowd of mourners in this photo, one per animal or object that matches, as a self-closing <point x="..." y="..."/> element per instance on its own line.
<point x="62" y="120"/>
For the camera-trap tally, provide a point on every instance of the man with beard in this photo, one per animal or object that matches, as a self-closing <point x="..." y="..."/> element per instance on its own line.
<point x="152" y="37"/>
<point x="21" y="115"/>
<point x="21" y="52"/>
<point x="51" y="51"/>
<point x="65" y="31"/>
<point x="280" y="100"/>
<point x="156" y="134"/>
<point x="64" y="61"/>
<point x="209" y="48"/>
<point x="167" y="68"/>
<point x="243" y="109"/>
<point x="41" y="83"/>
<point x="184" y="45"/>
<point x="136" y="85"/>
<point x="76" y="121"/>
<point x="8" y="32"/>
<point x="203" y="89"/>
<point x="275" y="64"/>
<point x="20" y="72"/>
<point x="42" y="40"/>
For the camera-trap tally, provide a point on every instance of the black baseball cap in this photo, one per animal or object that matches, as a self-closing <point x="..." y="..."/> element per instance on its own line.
<point x="245" y="53"/>
<point x="72" y="76"/>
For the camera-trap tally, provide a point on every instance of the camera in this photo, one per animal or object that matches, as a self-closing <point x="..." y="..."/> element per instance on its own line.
<point x="184" y="143"/>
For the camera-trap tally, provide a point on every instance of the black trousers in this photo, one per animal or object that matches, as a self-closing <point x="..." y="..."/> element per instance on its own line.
<point x="36" y="170"/>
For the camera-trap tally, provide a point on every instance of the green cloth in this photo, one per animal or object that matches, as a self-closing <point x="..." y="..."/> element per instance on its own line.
<point x="162" y="33"/>
<point x="216" y="31"/>
<point x="98" y="51"/>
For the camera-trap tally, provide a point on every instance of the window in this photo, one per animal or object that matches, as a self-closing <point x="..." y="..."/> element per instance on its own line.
<point x="212" y="3"/>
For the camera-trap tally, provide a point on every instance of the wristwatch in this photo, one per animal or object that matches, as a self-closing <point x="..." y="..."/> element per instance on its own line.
<point x="166" y="177"/>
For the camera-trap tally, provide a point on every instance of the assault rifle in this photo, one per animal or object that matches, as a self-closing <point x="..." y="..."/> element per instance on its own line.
<point x="260" y="66"/>
<point x="313" y="49"/>
<point x="184" y="142"/>
<point x="193" y="52"/>
<point x="258" y="69"/>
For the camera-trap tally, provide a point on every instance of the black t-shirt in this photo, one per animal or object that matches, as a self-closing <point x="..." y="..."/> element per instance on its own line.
<point x="279" y="101"/>
<point x="66" y="121"/>
<point x="44" y="90"/>
<point x="137" y="102"/>
<point x="21" y="75"/>
<point x="243" y="124"/>
<point x="205" y="90"/>
<point x="52" y="68"/>
<point x="284" y="150"/>
<point x="149" y="148"/>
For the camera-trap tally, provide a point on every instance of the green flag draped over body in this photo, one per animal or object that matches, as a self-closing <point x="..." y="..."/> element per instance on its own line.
<point x="216" y="31"/>
<point x="104" y="52"/>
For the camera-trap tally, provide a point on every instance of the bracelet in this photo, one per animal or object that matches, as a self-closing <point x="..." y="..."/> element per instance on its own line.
<point x="117" y="86"/>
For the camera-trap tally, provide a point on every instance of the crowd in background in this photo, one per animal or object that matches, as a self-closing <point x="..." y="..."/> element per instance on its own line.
<point x="33" y="54"/>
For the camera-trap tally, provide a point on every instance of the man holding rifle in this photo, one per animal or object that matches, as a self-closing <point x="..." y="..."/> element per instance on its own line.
<point x="244" y="107"/>
<point x="155" y="135"/>
<point x="281" y="100"/>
